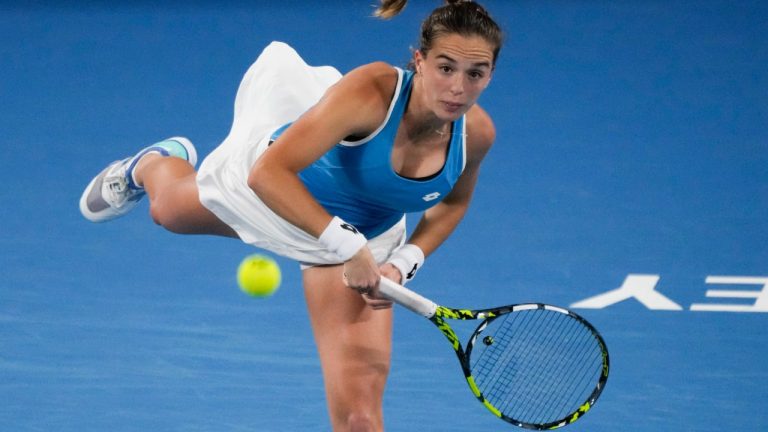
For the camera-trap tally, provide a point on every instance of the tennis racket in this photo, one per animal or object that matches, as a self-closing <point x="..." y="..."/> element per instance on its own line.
<point x="533" y="365"/>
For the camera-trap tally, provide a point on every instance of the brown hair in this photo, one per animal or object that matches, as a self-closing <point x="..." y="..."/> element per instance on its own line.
<point x="389" y="8"/>
<point x="463" y="17"/>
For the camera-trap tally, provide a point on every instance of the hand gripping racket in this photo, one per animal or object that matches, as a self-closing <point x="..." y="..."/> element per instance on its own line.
<point x="533" y="365"/>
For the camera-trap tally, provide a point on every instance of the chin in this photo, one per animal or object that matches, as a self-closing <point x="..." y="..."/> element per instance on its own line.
<point x="452" y="115"/>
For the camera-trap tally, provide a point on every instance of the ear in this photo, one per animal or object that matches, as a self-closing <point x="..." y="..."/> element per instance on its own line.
<point x="418" y="60"/>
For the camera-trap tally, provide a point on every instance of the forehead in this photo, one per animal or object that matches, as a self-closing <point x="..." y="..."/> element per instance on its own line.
<point x="469" y="49"/>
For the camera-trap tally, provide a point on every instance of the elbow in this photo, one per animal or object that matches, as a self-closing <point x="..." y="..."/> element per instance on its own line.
<point x="267" y="178"/>
<point x="258" y="177"/>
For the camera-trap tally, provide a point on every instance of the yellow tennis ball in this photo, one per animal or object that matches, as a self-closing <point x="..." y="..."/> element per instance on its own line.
<point x="258" y="275"/>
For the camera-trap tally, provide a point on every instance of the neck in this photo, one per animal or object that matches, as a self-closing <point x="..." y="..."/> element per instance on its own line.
<point x="420" y="122"/>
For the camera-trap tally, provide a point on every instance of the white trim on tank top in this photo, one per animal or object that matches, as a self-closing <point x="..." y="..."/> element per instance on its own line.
<point x="392" y="104"/>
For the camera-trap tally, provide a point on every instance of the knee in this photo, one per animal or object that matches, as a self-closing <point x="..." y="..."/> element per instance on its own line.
<point x="361" y="421"/>
<point x="164" y="214"/>
<point x="362" y="411"/>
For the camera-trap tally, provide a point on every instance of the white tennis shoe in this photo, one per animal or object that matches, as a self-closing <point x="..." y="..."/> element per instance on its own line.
<point x="114" y="191"/>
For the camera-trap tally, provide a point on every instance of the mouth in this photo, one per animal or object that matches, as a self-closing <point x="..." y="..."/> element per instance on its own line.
<point x="452" y="106"/>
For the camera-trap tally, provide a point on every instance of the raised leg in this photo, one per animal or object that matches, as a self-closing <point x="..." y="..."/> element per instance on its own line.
<point x="174" y="202"/>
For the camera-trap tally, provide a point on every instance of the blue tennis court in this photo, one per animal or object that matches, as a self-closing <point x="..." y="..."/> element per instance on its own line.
<point x="629" y="181"/>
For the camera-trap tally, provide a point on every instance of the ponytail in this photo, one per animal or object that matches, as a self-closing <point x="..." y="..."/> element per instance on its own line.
<point x="389" y="8"/>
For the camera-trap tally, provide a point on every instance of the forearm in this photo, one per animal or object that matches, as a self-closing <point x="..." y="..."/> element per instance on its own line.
<point x="284" y="193"/>
<point x="437" y="224"/>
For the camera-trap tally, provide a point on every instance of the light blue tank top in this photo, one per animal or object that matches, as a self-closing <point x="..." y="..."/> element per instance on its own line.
<point x="356" y="182"/>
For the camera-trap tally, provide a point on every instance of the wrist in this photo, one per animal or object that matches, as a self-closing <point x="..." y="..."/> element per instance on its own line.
<point x="342" y="238"/>
<point x="408" y="259"/>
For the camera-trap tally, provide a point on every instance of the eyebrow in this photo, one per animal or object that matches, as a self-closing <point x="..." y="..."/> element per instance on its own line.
<point x="450" y="59"/>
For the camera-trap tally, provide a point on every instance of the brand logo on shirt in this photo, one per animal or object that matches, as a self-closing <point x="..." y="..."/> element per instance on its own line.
<point x="430" y="197"/>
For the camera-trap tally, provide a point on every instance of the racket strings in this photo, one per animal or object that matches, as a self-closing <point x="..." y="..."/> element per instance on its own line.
<point x="500" y="379"/>
<point x="574" y="384"/>
<point x="522" y="390"/>
<point x="502" y="386"/>
<point x="541" y="366"/>
<point x="568" y="396"/>
<point x="548" y="402"/>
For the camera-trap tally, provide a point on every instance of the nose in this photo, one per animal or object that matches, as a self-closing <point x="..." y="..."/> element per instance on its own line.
<point x="457" y="85"/>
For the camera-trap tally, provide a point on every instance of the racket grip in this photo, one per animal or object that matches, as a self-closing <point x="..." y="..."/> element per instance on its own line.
<point x="407" y="298"/>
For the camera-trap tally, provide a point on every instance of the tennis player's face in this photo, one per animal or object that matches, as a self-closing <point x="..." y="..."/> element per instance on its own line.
<point x="454" y="73"/>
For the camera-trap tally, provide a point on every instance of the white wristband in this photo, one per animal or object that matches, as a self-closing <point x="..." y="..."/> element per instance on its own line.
<point x="342" y="238"/>
<point x="408" y="259"/>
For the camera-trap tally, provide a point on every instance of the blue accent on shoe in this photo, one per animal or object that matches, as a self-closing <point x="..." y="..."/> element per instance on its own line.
<point x="129" y="171"/>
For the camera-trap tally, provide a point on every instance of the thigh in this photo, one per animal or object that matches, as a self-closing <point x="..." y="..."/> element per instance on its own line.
<point x="354" y="344"/>
<point x="174" y="199"/>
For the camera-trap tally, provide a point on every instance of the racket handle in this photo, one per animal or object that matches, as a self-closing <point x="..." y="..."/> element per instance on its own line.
<point x="407" y="298"/>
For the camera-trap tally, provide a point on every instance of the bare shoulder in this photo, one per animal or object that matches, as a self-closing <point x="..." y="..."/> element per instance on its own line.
<point x="362" y="96"/>
<point x="480" y="131"/>
<point x="374" y="81"/>
<point x="381" y="73"/>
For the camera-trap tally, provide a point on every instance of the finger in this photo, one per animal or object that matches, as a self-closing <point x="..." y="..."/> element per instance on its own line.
<point x="365" y="287"/>
<point x="391" y="272"/>
<point x="376" y="303"/>
<point x="372" y="297"/>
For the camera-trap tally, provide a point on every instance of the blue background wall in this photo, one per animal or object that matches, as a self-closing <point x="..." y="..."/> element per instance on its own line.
<point x="632" y="139"/>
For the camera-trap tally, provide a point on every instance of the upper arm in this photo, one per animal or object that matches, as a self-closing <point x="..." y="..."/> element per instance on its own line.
<point x="481" y="133"/>
<point x="355" y="105"/>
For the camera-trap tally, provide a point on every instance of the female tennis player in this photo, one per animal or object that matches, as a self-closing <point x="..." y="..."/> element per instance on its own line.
<point x="321" y="168"/>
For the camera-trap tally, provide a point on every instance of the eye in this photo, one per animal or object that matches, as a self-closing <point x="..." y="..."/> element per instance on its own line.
<point x="445" y="69"/>
<point x="476" y="75"/>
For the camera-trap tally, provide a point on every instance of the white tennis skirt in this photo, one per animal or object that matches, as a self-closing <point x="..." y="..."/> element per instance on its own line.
<point x="275" y="90"/>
